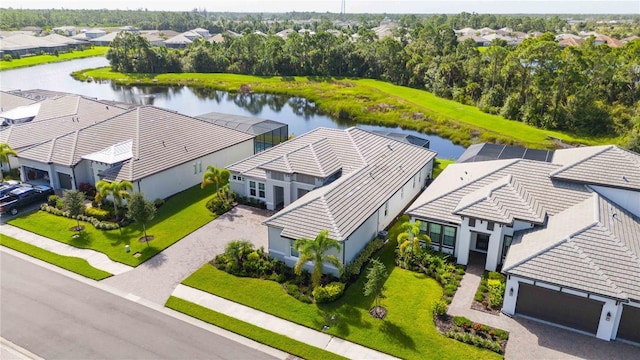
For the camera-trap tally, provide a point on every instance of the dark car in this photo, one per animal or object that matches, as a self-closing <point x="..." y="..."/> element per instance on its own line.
<point x="6" y="188"/>
<point x="23" y="196"/>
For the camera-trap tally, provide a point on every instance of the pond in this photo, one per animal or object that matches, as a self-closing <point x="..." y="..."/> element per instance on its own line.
<point x="301" y="115"/>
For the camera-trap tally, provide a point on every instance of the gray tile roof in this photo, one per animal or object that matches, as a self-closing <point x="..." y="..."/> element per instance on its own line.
<point x="600" y="165"/>
<point x="10" y="101"/>
<point x="242" y="123"/>
<point x="342" y="206"/>
<point x="593" y="246"/>
<point x="58" y="116"/>
<point x="316" y="159"/>
<point x="529" y="195"/>
<point x="161" y="139"/>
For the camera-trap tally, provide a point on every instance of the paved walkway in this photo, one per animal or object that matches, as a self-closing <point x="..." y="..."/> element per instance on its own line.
<point x="278" y="325"/>
<point x="156" y="278"/>
<point x="96" y="259"/>
<point x="529" y="339"/>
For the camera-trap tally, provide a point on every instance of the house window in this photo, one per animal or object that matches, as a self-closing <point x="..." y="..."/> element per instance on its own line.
<point x="386" y="208"/>
<point x="234" y="177"/>
<point x="449" y="237"/>
<point x="472" y="222"/>
<point x="414" y="182"/>
<point x="505" y="245"/>
<point x="292" y="250"/>
<point x="490" y="225"/>
<point x="239" y="178"/>
<point x="434" y="233"/>
<point x="252" y="188"/>
<point x="261" y="190"/>
<point x="423" y="227"/>
<point x="195" y="168"/>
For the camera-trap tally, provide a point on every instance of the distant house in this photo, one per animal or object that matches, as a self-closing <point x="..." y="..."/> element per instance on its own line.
<point x="351" y="182"/>
<point x="564" y="227"/>
<point x="160" y="151"/>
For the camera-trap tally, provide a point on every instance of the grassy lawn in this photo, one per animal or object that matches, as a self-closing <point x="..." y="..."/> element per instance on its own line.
<point x="407" y="332"/>
<point x="179" y="216"/>
<point x="258" y="334"/>
<point x="371" y="102"/>
<point x="74" y="264"/>
<point x="440" y="165"/>
<point x="44" y="59"/>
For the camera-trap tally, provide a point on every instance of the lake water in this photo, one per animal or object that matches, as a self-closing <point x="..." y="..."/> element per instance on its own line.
<point x="301" y="115"/>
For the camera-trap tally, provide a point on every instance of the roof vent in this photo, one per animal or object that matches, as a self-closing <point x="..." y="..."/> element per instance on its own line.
<point x="389" y="146"/>
<point x="185" y="148"/>
<point x="625" y="178"/>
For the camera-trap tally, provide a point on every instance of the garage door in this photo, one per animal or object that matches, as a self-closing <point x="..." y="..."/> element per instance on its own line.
<point x="560" y="308"/>
<point x="629" y="328"/>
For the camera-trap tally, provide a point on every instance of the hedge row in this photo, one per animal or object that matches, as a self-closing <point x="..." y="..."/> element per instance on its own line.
<point x="102" y="225"/>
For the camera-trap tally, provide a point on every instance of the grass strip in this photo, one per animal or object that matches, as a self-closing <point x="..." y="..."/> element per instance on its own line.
<point x="74" y="264"/>
<point x="45" y="59"/>
<point x="250" y="331"/>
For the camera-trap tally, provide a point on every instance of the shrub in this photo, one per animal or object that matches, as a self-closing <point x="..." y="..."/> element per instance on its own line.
<point x="292" y="289"/>
<point x="158" y="203"/>
<point x="462" y="322"/>
<point x="97" y="213"/>
<point x="440" y="308"/>
<point x="7" y="57"/>
<point x="101" y="225"/>
<point x="450" y="289"/>
<point x="88" y="190"/>
<point x="53" y="200"/>
<point x="328" y="293"/>
<point x="494" y="275"/>
<point x="355" y="267"/>
<point x="476" y="326"/>
<point x="501" y="334"/>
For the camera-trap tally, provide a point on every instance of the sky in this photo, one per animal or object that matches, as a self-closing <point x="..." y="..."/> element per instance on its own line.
<point x="352" y="6"/>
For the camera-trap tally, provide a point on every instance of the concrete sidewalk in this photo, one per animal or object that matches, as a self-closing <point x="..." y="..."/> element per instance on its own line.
<point x="96" y="259"/>
<point x="278" y="325"/>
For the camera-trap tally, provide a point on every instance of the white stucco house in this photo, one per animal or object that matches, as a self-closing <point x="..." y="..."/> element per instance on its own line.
<point x="160" y="151"/>
<point x="565" y="230"/>
<point x="350" y="182"/>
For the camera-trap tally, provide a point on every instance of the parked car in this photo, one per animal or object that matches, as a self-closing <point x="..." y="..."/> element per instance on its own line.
<point x="23" y="196"/>
<point x="6" y="188"/>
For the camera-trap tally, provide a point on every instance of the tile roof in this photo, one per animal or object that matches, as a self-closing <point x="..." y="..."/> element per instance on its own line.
<point x="316" y="159"/>
<point x="607" y="165"/>
<point x="384" y="166"/>
<point x="530" y="193"/>
<point x="57" y="116"/>
<point x="593" y="246"/>
<point x="10" y="101"/>
<point x="161" y="139"/>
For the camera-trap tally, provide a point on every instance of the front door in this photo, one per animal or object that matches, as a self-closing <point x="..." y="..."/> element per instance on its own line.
<point x="482" y="242"/>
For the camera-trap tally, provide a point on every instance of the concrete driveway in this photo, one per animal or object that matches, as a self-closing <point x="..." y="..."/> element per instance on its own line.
<point x="156" y="279"/>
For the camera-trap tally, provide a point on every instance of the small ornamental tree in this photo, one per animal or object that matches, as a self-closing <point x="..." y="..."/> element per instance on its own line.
<point x="73" y="201"/>
<point x="141" y="211"/>
<point x="376" y="276"/>
<point x="315" y="250"/>
<point x="215" y="176"/>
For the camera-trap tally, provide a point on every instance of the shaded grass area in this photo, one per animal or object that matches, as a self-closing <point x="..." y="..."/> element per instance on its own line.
<point x="181" y="214"/>
<point x="256" y="333"/>
<point x="407" y="332"/>
<point x="367" y="101"/>
<point x="74" y="264"/>
<point x="45" y="59"/>
<point x="440" y="165"/>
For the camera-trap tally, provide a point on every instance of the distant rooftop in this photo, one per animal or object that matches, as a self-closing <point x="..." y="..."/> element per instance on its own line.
<point x="248" y="125"/>
<point x="406" y="138"/>
<point x="486" y="151"/>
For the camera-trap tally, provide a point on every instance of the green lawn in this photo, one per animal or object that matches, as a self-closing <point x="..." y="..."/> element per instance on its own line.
<point x="371" y="102"/>
<point x="178" y="217"/>
<point x="44" y="59"/>
<point x="407" y="332"/>
<point x="74" y="264"/>
<point x="440" y="165"/>
<point x="256" y="333"/>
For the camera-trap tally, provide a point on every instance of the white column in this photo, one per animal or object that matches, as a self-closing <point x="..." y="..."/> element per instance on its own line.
<point x="510" y="296"/>
<point x="609" y="320"/>
<point x="493" y="252"/>
<point x="464" y="242"/>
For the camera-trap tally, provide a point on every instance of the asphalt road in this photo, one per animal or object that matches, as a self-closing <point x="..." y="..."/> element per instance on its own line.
<point x="56" y="317"/>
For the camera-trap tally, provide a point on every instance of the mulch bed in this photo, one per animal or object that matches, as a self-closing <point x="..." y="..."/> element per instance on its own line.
<point x="76" y="228"/>
<point x="146" y="238"/>
<point x="378" y="312"/>
<point x="475" y="305"/>
<point x="445" y="324"/>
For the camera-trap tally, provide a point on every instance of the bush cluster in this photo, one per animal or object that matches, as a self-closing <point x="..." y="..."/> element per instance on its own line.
<point x="328" y="293"/>
<point x="158" y="202"/>
<point x="97" y="213"/>
<point x="491" y="290"/>
<point x="475" y="340"/>
<point x="221" y="202"/>
<point x="249" y="201"/>
<point x="355" y="267"/>
<point x="101" y="225"/>
<point x="55" y="201"/>
<point x="477" y="334"/>
<point x="88" y="190"/>
<point x="440" y="308"/>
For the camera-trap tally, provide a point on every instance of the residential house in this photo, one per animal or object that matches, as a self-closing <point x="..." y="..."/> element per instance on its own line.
<point x="160" y="151"/>
<point x="564" y="229"/>
<point x="350" y="182"/>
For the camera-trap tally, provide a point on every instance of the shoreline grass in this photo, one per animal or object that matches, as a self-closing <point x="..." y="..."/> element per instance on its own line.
<point x="46" y="59"/>
<point x="250" y="331"/>
<point x="181" y="214"/>
<point x="73" y="264"/>
<point x="367" y="101"/>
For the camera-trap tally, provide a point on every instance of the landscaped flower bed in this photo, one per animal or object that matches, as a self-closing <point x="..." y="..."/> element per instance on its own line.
<point x="490" y="293"/>
<point x="464" y="330"/>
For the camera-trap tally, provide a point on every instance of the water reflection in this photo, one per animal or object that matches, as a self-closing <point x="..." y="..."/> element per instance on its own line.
<point x="299" y="113"/>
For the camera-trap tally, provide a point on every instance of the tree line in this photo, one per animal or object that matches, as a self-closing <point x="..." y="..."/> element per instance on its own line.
<point x="590" y="89"/>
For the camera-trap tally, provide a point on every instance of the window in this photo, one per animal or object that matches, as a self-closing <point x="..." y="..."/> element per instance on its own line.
<point x="195" y="168"/>
<point x="234" y="177"/>
<point x="261" y="190"/>
<point x="505" y="245"/>
<point x="414" y="182"/>
<point x="482" y="242"/>
<point x="252" y="188"/>
<point x="434" y="233"/>
<point x="423" y="227"/>
<point x="239" y="178"/>
<point x="293" y="251"/>
<point x="490" y="225"/>
<point x="386" y="208"/>
<point x="472" y="222"/>
<point x="449" y="238"/>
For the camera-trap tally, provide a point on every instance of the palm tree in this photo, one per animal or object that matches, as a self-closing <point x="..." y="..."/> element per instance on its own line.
<point x="5" y="152"/>
<point x="118" y="190"/>
<point x="412" y="234"/>
<point x="314" y="250"/>
<point x="216" y="176"/>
